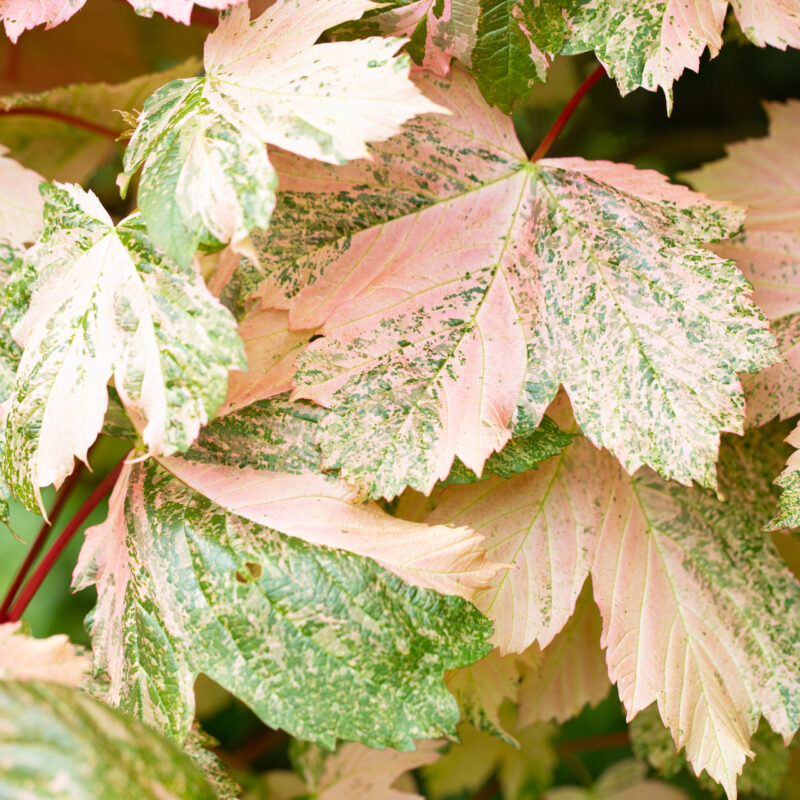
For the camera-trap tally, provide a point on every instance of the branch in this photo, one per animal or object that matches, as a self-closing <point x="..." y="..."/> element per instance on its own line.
<point x="40" y="540"/>
<point x="563" y="117"/>
<point x="94" y="500"/>
<point x="67" y="119"/>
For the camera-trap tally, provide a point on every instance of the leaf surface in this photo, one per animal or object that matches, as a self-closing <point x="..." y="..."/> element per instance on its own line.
<point x="651" y="43"/>
<point x="184" y="587"/>
<point x="60" y="744"/>
<point x="262" y="464"/>
<point x="684" y="582"/>
<point x="21" y="205"/>
<point x="55" y="659"/>
<point x="106" y="303"/>
<point x="266" y="82"/>
<point x="626" y="780"/>
<point x="586" y="274"/>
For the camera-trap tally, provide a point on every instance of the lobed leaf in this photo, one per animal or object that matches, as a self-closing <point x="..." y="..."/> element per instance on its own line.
<point x="107" y="303"/>
<point x="589" y="275"/>
<point x="55" y="659"/>
<point x="184" y="587"/>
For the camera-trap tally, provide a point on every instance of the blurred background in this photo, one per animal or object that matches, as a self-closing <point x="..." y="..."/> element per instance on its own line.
<point x="108" y="43"/>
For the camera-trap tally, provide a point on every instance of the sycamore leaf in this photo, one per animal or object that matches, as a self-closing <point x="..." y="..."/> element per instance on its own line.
<point x="271" y="348"/>
<point x="355" y="772"/>
<point x="22" y="15"/>
<point x="481" y="689"/>
<point x="586" y="274"/>
<point x="523" y="771"/>
<point x="23" y="658"/>
<point x="262" y="464"/>
<point x="626" y="780"/>
<point x="198" y="747"/>
<point x="652" y="742"/>
<point x="184" y="588"/>
<point x="507" y="44"/>
<point x="568" y="674"/>
<point x="685" y="584"/>
<point x="21" y="205"/>
<point x="107" y="304"/>
<point x="65" y="152"/>
<point x="207" y="177"/>
<point x="59" y="744"/>
<point x="651" y="43"/>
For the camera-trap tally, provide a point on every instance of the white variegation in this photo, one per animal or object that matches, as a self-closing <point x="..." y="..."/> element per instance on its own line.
<point x="54" y="659"/>
<point x="21" y="205"/>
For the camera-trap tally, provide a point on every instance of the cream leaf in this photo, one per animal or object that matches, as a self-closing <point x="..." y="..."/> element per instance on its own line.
<point x="54" y="659"/>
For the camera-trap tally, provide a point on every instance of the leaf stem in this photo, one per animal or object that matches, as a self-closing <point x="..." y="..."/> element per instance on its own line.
<point x="566" y="113"/>
<point x="89" y="505"/>
<point x="59" y="116"/>
<point x="601" y="742"/>
<point x="40" y="540"/>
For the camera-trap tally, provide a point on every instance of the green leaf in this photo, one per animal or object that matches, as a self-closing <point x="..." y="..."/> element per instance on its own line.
<point x="184" y="588"/>
<point x="59" y="744"/>
<point x="519" y="455"/>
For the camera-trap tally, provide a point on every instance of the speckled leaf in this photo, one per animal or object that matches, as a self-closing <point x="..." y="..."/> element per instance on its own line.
<point x="762" y="777"/>
<point x="482" y="688"/>
<point x="318" y="642"/>
<point x="262" y="464"/>
<point x="651" y="43"/>
<point x="508" y="44"/>
<point x="788" y="515"/>
<point x="55" y="659"/>
<point x="21" y="15"/>
<point x="685" y="584"/>
<point x="519" y="455"/>
<point x="557" y="682"/>
<point x="207" y="178"/>
<point x="59" y="744"/>
<point x="355" y="772"/>
<point x="271" y="348"/>
<point x="65" y="152"/>
<point x="106" y="303"/>
<point x="590" y="272"/>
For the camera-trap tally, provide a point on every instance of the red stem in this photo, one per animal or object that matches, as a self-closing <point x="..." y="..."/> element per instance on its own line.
<point x="94" y="500"/>
<point x="77" y="122"/>
<point x="563" y="117"/>
<point x="40" y="540"/>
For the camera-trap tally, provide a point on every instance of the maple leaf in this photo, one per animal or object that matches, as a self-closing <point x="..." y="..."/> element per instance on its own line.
<point x="77" y="747"/>
<point x="184" y="588"/>
<point x="354" y="772"/>
<point x="507" y="44"/>
<point x="55" y="659"/>
<point x="651" y="43"/>
<point x="586" y="274"/>
<point x="262" y="464"/>
<point x="106" y="303"/>
<point x="680" y="626"/>
<point x="207" y="177"/>
<point x="19" y="16"/>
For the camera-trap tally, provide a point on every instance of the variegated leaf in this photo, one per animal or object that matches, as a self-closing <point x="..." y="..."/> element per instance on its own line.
<point x="21" y="15"/>
<point x="60" y="744"/>
<point x="106" y="304"/>
<point x="354" y="772"/>
<point x="55" y="659"/>
<point x="651" y="43"/>
<point x="262" y="464"/>
<point x="207" y="178"/>
<point x="685" y="584"/>
<point x="559" y="681"/>
<point x="184" y="587"/>
<point x="507" y="44"/>
<point x="21" y="205"/>
<point x="586" y="274"/>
